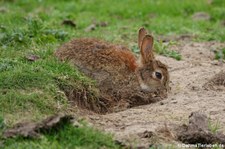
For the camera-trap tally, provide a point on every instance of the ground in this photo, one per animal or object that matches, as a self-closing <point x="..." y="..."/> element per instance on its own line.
<point x="189" y="39"/>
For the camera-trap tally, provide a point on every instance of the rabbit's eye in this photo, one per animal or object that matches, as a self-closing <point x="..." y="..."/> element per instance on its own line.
<point x="158" y="75"/>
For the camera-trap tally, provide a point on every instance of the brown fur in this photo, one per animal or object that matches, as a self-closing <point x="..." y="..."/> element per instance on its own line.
<point x="117" y="71"/>
<point x="97" y="54"/>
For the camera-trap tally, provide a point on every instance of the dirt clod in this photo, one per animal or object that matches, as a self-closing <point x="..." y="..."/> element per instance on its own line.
<point x="69" y="23"/>
<point x="198" y="120"/>
<point x="146" y="134"/>
<point x="32" y="57"/>
<point x="34" y="130"/>
<point x="216" y="83"/>
<point x="197" y="131"/>
<point x="91" y="27"/>
<point x="120" y="143"/>
<point x="22" y="129"/>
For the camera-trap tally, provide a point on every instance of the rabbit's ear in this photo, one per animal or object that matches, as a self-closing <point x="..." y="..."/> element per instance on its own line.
<point x="147" y="49"/>
<point x="141" y="34"/>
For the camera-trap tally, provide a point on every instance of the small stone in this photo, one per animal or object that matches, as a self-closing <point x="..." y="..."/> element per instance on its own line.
<point x="161" y="103"/>
<point x="174" y="102"/>
<point x="90" y="28"/>
<point x="32" y="57"/>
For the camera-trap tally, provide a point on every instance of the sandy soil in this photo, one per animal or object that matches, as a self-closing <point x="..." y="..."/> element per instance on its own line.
<point x="187" y="95"/>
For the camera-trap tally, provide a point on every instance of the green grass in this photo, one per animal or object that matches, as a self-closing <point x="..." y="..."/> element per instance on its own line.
<point x="220" y="54"/>
<point x="214" y="126"/>
<point x="29" y="90"/>
<point x="162" y="49"/>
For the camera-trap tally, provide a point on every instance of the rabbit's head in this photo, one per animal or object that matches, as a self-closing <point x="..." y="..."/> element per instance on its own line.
<point x="151" y="73"/>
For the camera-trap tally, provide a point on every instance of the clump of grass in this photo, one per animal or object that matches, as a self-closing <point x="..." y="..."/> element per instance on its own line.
<point x="163" y="49"/>
<point x="67" y="136"/>
<point x="219" y="55"/>
<point x="2" y="124"/>
<point x="7" y="64"/>
<point x="214" y="127"/>
<point x="33" y="31"/>
<point x="135" y="49"/>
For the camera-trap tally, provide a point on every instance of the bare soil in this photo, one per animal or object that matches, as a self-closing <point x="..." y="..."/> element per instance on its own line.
<point x="192" y="89"/>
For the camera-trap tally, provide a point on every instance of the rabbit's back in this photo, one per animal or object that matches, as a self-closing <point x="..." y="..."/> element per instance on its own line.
<point x="96" y="55"/>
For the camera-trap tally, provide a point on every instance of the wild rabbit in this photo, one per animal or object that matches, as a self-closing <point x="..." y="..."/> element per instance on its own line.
<point x="123" y="80"/>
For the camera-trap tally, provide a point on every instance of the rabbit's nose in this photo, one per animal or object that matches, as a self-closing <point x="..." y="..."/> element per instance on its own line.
<point x="145" y="90"/>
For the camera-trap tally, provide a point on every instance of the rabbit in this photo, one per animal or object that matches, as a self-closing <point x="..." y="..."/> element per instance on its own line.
<point x="123" y="79"/>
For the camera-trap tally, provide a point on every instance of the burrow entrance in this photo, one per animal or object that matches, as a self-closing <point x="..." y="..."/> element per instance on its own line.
<point x="108" y="102"/>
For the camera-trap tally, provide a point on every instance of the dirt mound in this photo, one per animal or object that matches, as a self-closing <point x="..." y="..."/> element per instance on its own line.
<point x="83" y="98"/>
<point x="197" y="131"/>
<point x="34" y="130"/>
<point x="216" y="83"/>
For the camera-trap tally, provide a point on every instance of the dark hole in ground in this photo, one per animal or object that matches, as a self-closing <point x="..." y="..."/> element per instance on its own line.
<point x="83" y="98"/>
<point x="107" y="102"/>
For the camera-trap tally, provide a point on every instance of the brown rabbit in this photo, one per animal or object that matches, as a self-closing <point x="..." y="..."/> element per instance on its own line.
<point x="123" y="80"/>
